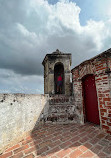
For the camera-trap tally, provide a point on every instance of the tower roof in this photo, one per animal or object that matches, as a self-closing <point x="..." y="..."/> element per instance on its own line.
<point x="56" y="54"/>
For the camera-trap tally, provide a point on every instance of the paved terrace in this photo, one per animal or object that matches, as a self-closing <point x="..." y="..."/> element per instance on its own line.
<point x="63" y="141"/>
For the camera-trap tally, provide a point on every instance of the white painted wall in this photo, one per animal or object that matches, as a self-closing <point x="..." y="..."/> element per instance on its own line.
<point x="19" y="114"/>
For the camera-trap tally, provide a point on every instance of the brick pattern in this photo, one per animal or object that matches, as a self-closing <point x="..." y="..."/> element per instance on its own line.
<point x="96" y="66"/>
<point x="62" y="141"/>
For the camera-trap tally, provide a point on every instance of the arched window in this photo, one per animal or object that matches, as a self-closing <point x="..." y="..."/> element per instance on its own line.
<point x="58" y="71"/>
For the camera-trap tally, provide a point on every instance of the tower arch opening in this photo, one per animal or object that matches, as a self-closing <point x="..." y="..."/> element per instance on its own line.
<point x="59" y="78"/>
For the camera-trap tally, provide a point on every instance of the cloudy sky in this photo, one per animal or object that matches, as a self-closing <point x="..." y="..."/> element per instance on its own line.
<point x="31" y="28"/>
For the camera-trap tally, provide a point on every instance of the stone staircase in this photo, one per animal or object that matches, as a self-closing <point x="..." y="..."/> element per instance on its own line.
<point x="61" y="109"/>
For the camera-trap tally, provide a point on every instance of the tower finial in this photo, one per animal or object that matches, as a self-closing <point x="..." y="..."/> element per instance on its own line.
<point x="58" y="51"/>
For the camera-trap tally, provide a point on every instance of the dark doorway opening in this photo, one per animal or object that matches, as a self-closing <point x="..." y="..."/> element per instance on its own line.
<point x="59" y="71"/>
<point x="90" y="100"/>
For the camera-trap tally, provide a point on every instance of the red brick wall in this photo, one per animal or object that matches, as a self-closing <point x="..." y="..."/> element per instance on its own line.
<point x="96" y="66"/>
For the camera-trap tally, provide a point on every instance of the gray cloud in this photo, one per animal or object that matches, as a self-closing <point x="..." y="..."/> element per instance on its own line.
<point x="29" y="30"/>
<point x="11" y="82"/>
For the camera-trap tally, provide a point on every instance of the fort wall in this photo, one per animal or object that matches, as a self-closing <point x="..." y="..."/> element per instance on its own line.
<point x="19" y="114"/>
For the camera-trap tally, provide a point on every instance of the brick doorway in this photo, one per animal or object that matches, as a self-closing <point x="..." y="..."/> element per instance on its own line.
<point x="59" y="69"/>
<point x="90" y="100"/>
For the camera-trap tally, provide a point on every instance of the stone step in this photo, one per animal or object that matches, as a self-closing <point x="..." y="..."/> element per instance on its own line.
<point x="62" y="107"/>
<point x="61" y="113"/>
<point x="61" y="110"/>
<point x="61" y="118"/>
<point x="60" y="99"/>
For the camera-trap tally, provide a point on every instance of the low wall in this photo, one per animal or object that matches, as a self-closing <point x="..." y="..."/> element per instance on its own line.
<point x="19" y="113"/>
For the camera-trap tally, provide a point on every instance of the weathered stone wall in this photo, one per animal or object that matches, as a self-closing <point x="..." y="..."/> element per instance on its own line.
<point x="97" y="66"/>
<point x="62" y="109"/>
<point x="49" y="63"/>
<point x="49" y="86"/>
<point x="19" y="113"/>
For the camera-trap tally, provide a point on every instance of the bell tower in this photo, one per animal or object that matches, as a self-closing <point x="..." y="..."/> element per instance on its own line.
<point x="57" y="64"/>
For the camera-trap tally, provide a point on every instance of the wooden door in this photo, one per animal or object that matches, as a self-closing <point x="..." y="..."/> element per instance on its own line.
<point x="90" y="100"/>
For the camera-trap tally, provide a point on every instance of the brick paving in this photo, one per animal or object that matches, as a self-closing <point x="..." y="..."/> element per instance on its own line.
<point x="63" y="141"/>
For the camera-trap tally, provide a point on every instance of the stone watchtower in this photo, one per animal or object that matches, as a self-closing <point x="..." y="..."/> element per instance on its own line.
<point x="55" y="64"/>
